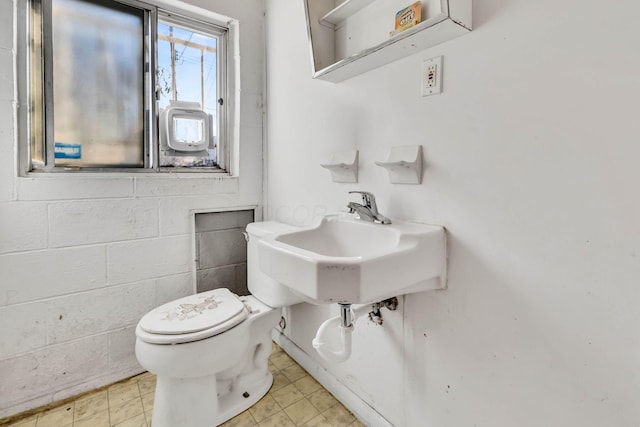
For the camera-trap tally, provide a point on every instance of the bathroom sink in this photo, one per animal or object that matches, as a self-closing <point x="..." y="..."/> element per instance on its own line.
<point x="345" y="260"/>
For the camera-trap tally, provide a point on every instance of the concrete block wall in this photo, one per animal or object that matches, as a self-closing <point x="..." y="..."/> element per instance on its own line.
<point x="84" y="256"/>
<point x="222" y="250"/>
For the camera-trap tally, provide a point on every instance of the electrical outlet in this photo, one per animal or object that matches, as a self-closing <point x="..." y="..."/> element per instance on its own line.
<point x="431" y="75"/>
<point x="431" y="78"/>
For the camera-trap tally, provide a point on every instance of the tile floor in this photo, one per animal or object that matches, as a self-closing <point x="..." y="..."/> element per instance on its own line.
<point x="295" y="399"/>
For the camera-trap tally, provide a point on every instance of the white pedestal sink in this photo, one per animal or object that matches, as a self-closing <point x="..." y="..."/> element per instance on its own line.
<point x="350" y="261"/>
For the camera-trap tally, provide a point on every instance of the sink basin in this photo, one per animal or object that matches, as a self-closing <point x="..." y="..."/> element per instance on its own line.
<point x="344" y="260"/>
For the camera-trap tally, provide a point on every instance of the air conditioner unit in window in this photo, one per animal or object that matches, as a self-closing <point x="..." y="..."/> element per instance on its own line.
<point x="185" y="130"/>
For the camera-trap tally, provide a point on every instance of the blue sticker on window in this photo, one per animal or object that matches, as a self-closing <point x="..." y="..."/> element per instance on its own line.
<point x="67" y="151"/>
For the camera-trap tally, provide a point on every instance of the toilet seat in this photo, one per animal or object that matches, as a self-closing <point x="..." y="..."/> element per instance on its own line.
<point x="192" y="318"/>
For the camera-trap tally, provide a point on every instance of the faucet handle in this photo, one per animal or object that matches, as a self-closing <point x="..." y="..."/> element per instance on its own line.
<point x="369" y="208"/>
<point x="368" y="198"/>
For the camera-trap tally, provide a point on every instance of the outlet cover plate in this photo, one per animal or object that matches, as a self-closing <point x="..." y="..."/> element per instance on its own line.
<point x="431" y="77"/>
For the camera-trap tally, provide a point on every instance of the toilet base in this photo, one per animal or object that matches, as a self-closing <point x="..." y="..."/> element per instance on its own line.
<point x="192" y="402"/>
<point x="235" y="403"/>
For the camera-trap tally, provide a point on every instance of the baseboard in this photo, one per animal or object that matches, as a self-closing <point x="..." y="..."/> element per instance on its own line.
<point x="349" y="399"/>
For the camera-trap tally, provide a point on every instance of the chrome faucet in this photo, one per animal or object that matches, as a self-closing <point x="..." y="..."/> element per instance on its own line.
<point x="368" y="210"/>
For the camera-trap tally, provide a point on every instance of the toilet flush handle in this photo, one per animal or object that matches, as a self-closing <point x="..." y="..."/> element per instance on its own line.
<point x="246" y="236"/>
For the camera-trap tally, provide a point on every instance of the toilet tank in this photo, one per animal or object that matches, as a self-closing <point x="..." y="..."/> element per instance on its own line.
<point x="260" y="285"/>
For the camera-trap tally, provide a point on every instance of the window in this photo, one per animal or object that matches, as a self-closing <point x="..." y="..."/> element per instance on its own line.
<point x="124" y="85"/>
<point x="187" y="82"/>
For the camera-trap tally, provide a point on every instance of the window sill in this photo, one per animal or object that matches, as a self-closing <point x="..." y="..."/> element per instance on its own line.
<point x="128" y="173"/>
<point x="42" y="186"/>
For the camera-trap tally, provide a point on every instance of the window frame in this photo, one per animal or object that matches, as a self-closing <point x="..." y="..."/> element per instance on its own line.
<point x="222" y="89"/>
<point x="153" y="13"/>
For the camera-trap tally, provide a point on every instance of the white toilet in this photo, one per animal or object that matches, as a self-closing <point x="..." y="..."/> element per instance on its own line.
<point x="210" y="350"/>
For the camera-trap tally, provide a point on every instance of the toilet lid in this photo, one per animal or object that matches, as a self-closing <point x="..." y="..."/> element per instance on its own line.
<point x="195" y="313"/>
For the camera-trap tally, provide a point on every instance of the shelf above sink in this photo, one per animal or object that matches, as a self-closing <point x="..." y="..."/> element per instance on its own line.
<point x="344" y="10"/>
<point x="354" y="37"/>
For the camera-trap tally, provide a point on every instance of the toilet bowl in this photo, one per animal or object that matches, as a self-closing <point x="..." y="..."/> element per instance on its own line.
<point x="210" y="350"/>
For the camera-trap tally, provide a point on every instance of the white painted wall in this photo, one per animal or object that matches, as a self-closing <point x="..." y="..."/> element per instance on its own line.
<point x="82" y="257"/>
<point x="532" y="158"/>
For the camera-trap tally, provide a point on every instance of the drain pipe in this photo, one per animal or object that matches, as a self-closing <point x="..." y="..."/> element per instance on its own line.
<point x="345" y="322"/>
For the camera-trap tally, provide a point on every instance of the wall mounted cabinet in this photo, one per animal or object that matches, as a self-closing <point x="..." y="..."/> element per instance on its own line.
<point x="350" y="37"/>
